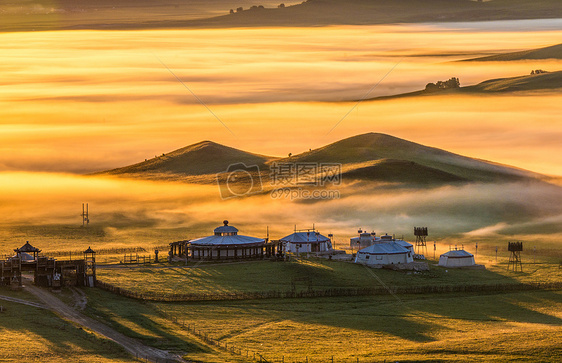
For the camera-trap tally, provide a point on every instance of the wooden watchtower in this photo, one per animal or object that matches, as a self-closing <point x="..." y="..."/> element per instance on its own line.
<point x="515" y="256"/>
<point x="420" y="246"/>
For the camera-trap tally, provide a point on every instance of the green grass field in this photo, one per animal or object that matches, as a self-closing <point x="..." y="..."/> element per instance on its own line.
<point x="29" y="334"/>
<point x="316" y="273"/>
<point x="519" y="326"/>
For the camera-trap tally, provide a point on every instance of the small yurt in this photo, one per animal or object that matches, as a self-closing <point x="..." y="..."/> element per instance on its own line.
<point x="456" y="258"/>
<point x="306" y="241"/>
<point x="365" y="239"/>
<point x="386" y="253"/>
<point x="226" y="243"/>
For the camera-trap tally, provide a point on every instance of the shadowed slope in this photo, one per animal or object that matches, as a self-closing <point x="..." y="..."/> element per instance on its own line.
<point x="358" y="12"/>
<point x="368" y="157"/>
<point x="150" y="14"/>
<point x="205" y="157"/>
<point x="552" y="52"/>
<point x="375" y="146"/>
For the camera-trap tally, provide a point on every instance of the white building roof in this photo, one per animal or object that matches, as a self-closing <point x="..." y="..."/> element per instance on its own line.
<point x="227" y="236"/>
<point x="305" y="237"/>
<point x="458" y="254"/>
<point x="404" y="243"/>
<point x="389" y="248"/>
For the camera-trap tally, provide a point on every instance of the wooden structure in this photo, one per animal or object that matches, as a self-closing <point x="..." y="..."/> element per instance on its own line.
<point x="515" y="257"/>
<point x="224" y="244"/>
<point x="421" y="246"/>
<point x="47" y="271"/>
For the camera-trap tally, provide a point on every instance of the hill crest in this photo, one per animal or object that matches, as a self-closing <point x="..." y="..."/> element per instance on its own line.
<point x="370" y="156"/>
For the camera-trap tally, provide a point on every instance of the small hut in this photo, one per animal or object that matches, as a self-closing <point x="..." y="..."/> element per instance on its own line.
<point x="307" y="241"/>
<point x="386" y="253"/>
<point x="226" y="243"/>
<point x="456" y="258"/>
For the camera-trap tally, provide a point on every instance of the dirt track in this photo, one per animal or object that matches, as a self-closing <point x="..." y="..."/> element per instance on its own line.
<point x="134" y="347"/>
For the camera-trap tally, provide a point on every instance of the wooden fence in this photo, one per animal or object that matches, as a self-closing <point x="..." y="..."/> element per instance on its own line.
<point x="315" y="293"/>
<point x="250" y="354"/>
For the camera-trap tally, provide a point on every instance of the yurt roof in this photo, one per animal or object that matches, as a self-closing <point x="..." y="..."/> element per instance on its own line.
<point x="390" y="248"/>
<point x="226" y="228"/>
<point x="226" y="240"/>
<point x="304" y="237"/>
<point x="403" y="243"/>
<point x="458" y="254"/>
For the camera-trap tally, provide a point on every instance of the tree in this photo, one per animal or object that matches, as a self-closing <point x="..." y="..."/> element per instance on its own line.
<point x="453" y="82"/>
<point x="232" y="11"/>
<point x="282" y="5"/>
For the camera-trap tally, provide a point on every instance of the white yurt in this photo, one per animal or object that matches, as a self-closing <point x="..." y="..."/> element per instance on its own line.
<point x="365" y="239"/>
<point x="386" y="253"/>
<point x="306" y="241"/>
<point x="456" y="258"/>
<point x="226" y="243"/>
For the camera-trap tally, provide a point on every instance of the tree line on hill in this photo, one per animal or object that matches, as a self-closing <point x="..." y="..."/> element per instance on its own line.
<point x="453" y="82"/>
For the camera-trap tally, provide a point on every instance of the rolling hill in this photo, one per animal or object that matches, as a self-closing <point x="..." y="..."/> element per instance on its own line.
<point x="369" y="157"/>
<point x="552" y="52"/>
<point x="536" y="82"/>
<point x="203" y="158"/>
<point x="26" y="15"/>
<point x="363" y="12"/>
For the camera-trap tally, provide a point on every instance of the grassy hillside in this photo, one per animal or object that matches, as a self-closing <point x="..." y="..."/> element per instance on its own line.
<point x="202" y="158"/>
<point x="318" y="274"/>
<point x="552" y="52"/>
<point x="522" y="327"/>
<point x="329" y="12"/>
<point x="434" y="163"/>
<point x="31" y="334"/>
<point x="26" y="15"/>
<point x="143" y="14"/>
<point x="527" y="83"/>
<point x="535" y="82"/>
<point x="372" y="157"/>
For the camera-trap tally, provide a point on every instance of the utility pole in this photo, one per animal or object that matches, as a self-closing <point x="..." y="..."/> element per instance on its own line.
<point x="85" y="215"/>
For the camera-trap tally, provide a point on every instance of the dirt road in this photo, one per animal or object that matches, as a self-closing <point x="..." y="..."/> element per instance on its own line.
<point x="133" y="346"/>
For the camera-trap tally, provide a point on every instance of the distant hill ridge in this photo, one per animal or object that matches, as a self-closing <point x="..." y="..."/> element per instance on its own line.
<point x="535" y="82"/>
<point x="367" y="157"/>
<point x="552" y="52"/>
<point x="204" y="157"/>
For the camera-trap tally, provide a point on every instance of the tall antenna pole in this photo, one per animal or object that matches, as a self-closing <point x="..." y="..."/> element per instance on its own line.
<point x="85" y="215"/>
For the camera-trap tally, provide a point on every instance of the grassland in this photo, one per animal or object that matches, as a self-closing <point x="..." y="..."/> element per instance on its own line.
<point x="489" y="327"/>
<point x="29" y="334"/>
<point x="316" y="274"/>
<point x="522" y="327"/>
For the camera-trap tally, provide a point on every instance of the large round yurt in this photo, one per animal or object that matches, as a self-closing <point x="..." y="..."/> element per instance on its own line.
<point x="226" y="243"/>
<point x="306" y="241"/>
<point x="456" y="258"/>
<point x="385" y="253"/>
